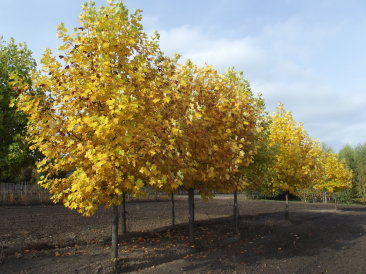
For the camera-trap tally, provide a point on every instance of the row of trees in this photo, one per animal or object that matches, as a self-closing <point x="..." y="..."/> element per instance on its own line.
<point x="355" y="161"/>
<point x="112" y="114"/>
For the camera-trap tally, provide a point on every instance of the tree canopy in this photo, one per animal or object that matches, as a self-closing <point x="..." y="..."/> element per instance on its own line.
<point x="95" y="109"/>
<point x="295" y="163"/>
<point x="216" y="121"/>
<point x="335" y="176"/>
<point x="16" y="160"/>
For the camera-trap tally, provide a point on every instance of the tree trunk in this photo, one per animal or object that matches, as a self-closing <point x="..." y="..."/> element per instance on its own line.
<point x="114" y="247"/>
<point x="335" y="201"/>
<point x="236" y="213"/>
<point x="325" y="197"/>
<point x="287" y="212"/>
<point x="173" y="209"/>
<point x="123" y="214"/>
<point x="191" y="215"/>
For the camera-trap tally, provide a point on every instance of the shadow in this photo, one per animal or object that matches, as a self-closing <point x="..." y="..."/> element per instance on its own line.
<point x="168" y="244"/>
<point x="305" y="233"/>
<point x="269" y="236"/>
<point x="353" y="208"/>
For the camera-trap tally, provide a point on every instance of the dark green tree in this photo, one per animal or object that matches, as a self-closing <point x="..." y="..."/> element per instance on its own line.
<point x="360" y="172"/>
<point x="16" y="160"/>
<point x="348" y="155"/>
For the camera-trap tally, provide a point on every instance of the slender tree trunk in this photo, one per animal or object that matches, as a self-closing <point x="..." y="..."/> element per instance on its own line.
<point x="123" y="214"/>
<point x="191" y="215"/>
<point x="335" y="201"/>
<point x="325" y="197"/>
<point x="114" y="247"/>
<point x="173" y="209"/>
<point x="287" y="212"/>
<point x="236" y="213"/>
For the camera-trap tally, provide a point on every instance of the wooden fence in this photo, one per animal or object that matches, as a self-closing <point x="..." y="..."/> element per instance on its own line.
<point x="27" y="194"/>
<point x="22" y="193"/>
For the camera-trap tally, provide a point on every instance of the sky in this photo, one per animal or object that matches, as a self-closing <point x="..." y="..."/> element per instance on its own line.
<point x="308" y="54"/>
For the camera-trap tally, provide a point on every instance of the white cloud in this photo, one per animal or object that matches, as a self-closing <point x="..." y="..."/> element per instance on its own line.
<point x="194" y="44"/>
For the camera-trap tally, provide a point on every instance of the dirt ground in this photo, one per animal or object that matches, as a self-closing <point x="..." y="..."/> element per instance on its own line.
<point x="316" y="239"/>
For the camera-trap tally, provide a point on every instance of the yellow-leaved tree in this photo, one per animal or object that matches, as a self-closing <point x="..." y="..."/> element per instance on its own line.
<point x="296" y="160"/>
<point x="335" y="176"/>
<point x="94" y="111"/>
<point x="215" y="117"/>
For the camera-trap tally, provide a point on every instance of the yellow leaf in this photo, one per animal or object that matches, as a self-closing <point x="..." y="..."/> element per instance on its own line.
<point x="197" y="115"/>
<point x="175" y="131"/>
<point x="110" y="102"/>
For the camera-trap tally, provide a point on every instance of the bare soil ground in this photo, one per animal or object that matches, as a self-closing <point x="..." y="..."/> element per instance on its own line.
<point x="316" y="239"/>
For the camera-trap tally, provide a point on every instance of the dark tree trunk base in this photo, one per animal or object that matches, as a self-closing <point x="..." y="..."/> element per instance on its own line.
<point x="173" y="210"/>
<point x="335" y="203"/>
<point x="236" y="213"/>
<point x="191" y="215"/>
<point x="123" y="214"/>
<point x="114" y="246"/>
<point x="287" y="211"/>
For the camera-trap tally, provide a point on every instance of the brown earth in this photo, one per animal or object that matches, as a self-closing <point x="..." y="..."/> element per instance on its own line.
<point x="316" y="239"/>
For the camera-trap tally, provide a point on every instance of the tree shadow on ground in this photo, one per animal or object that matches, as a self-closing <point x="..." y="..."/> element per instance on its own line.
<point x="269" y="236"/>
<point x="165" y="244"/>
<point x="262" y="236"/>
<point x="353" y="208"/>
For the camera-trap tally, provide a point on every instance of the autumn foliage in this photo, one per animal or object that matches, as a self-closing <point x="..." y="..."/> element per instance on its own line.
<point x="334" y="176"/>
<point x="216" y="121"/>
<point x="295" y="163"/>
<point x="95" y="110"/>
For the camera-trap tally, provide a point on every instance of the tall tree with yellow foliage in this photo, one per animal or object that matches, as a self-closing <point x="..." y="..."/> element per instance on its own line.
<point x="215" y="117"/>
<point x="296" y="162"/>
<point x="94" y="111"/>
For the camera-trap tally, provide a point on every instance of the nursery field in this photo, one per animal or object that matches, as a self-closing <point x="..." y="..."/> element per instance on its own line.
<point x="316" y="239"/>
